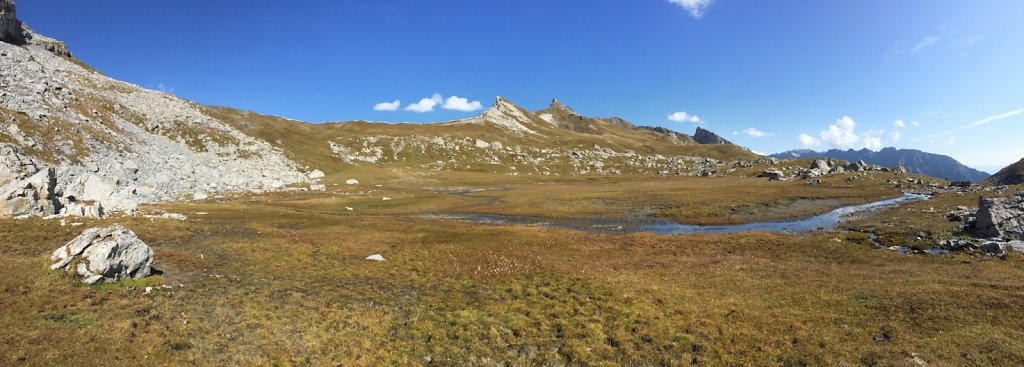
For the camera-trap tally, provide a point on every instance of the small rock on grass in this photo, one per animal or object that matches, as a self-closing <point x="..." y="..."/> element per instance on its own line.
<point x="375" y="257"/>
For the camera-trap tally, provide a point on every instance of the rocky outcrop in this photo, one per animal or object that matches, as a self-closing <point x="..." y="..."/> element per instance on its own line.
<point x="703" y="136"/>
<point x="999" y="218"/>
<point x="15" y="32"/>
<point x="11" y="29"/>
<point x="105" y="254"/>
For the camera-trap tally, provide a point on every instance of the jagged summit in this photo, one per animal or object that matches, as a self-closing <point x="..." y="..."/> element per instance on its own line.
<point x="704" y="136"/>
<point x="16" y="32"/>
<point x="506" y="114"/>
<point x="558" y="106"/>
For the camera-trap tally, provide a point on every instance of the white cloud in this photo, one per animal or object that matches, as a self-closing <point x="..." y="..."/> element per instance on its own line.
<point x="461" y="104"/>
<point x="809" y="141"/>
<point x="872" y="142"/>
<point x="983" y="121"/>
<point x="915" y="123"/>
<point x="697" y="8"/>
<point x="756" y="133"/>
<point x="843" y="135"/>
<point x="899" y="124"/>
<point x="895" y="136"/>
<point x="684" y="117"/>
<point x="425" y="104"/>
<point x="840" y="135"/>
<point x="387" y="106"/>
<point x="952" y="140"/>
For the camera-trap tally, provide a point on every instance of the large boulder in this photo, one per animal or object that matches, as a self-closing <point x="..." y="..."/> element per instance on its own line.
<point x="821" y="165"/>
<point x="105" y="254"/>
<point x="999" y="217"/>
<point x="772" y="175"/>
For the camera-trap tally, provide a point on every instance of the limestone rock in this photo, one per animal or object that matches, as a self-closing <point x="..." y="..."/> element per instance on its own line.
<point x="375" y="257"/>
<point x="351" y="181"/>
<point x="316" y="174"/>
<point x="999" y="217"/>
<point x="105" y="254"/>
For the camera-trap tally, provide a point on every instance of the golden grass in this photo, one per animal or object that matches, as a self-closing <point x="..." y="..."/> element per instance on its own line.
<point x="281" y="280"/>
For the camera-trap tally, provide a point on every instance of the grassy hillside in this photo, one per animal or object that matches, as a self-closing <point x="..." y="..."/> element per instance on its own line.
<point x="1011" y="175"/>
<point x="548" y="147"/>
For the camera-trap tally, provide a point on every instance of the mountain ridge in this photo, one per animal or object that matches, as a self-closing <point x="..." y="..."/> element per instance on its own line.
<point x="915" y="161"/>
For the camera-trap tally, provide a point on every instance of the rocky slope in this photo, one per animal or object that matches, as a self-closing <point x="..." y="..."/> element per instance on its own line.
<point x="1011" y="175"/>
<point x="75" y="141"/>
<point x="915" y="161"/>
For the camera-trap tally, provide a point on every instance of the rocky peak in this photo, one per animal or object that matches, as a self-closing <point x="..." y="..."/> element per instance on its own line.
<point x="558" y="106"/>
<point x="15" y="32"/>
<point x="506" y="114"/>
<point x="703" y="136"/>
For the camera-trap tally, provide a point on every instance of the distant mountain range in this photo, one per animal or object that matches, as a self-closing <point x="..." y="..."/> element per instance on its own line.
<point x="1011" y="175"/>
<point x="915" y="161"/>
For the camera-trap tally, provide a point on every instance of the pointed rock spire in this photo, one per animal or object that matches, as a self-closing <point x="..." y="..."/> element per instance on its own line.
<point x="558" y="106"/>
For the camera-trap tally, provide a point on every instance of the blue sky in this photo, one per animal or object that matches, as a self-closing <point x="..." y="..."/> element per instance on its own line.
<point x="769" y="75"/>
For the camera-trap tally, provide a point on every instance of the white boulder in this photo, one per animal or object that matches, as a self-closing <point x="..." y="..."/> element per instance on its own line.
<point x="316" y="174"/>
<point x="375" y="257"/>
<point x="351" y="181"/>
<point x="105" y="254"/>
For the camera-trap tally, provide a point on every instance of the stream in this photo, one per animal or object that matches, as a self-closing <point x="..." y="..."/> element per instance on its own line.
<point x="825" y="221"/>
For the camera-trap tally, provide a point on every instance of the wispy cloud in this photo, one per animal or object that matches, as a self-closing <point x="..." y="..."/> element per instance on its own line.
<point x="425" y="104"/>
<point x="457" y="103"/>
<point x="684" y="117"/>
<point x="945" y="41"/>
<point x="753" y="132"/>
<point x="165" y="88"/>
<point x="924" y="44"/>
<point x="387" y="106"/>
<point x="697" y="8"/>
<point x="981" y="122"/>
